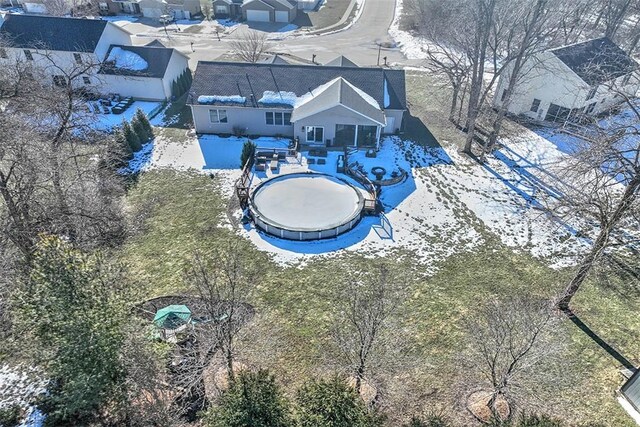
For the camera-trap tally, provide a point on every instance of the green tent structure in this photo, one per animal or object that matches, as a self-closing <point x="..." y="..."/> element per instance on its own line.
<point x="172" y="317"/>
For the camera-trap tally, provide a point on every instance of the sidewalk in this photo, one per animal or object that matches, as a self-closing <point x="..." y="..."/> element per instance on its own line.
<point x="340" y="24"/>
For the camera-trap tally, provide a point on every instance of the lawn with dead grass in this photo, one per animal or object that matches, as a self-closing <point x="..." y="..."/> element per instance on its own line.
<point x="178" y="213"/>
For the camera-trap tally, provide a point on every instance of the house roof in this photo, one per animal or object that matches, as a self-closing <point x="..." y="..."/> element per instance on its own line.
<point x="52" y="33"/>
<point x="274" y="59"/>
<point x="596" y="61"/>
<point x="244" y="79"/>
<point x="156" y="58"/>
<point x="155" y="43"/>
<point x="341" y="61"/>
<point x="339" y="92"/>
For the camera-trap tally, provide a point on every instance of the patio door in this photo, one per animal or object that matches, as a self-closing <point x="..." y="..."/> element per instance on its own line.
<point x="345" y="136"/>
<point x="315" y="135"/>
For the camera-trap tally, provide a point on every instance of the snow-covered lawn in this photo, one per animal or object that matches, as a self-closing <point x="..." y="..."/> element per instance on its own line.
<point x="119" y="19"/>
<point x="447" y="204"/>
<point x="109" y="121"/>
<point x="19" y="387"/>
<point x="410" y="45"/>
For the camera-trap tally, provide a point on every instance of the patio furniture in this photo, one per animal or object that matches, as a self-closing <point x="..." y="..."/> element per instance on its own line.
<point x="311" y="161"/>
<point x="379" y="172"/>
<point x="322" y="161"/>
<point x="274" y="164"/>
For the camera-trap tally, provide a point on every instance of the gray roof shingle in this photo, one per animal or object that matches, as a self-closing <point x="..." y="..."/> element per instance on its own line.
<point x="339" y="92"/>
<point x="596" y="61"/>
<point x="244" y="79"/>
<point x="156" y="57"/>
<point x="52" y="33"/>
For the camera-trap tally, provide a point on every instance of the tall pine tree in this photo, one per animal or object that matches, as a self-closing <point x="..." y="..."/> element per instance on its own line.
<point x="144" y="120"/>
<point x="131" y="136"/>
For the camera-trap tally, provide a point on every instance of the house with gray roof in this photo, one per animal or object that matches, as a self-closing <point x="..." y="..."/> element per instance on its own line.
<point x="283" y="11"/>
<point x="587" y="78"/>
<point x="101" y="49"/>
<point x="320" y="105"/>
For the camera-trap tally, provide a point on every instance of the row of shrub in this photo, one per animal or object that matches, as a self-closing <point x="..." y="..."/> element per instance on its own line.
<point x="130" y="136"/>
<point x="255" y="399"/>
<point x="181" y="85"/>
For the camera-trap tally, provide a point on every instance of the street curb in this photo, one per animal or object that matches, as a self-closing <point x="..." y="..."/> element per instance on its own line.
<point x="332" y="28"/>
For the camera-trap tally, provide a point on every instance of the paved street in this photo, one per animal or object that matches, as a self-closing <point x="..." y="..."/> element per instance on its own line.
<point x="359" y="42"/>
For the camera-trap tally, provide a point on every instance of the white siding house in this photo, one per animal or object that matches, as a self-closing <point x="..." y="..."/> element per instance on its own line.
<point x="584" y="78"/>
<point x="54" y="44"/>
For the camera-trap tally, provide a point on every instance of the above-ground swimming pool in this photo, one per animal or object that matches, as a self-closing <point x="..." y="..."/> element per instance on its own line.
<point x="306" y="206"/>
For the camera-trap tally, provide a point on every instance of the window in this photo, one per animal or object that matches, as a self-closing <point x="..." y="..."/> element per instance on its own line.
<point x="278" y="119"/>
<point x="221" y="10"/>
<point x="504" y="95"/>
<point x="315" y="134"/>
<point x="592" y="92"/>
<point x="78" y="58"/>
<point x="104" y="7"/>
<point x="590" y="108"/>
<point x="86" y="80"/>
<point x="60" y="81"/>
<point x="535" y="105"/>
<point x="3" y="53"/>
<point x="28" y="55"/>
<point x="218" y="116"/>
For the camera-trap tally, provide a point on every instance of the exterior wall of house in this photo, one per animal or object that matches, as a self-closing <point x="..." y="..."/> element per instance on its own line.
<point x="394" y="121"/>
<point x="152" y="8"/>
<point x="547" y="79"/>
<point x="328" y="119"/>
<point x="258" y="5"/>
<point x="146" y="88"/>
<point x="177" y="64"/>
<point x="35" y="7"/>
<point x="551" y="81"/>
<point x="112" y="35"/>
<point x="253" y="120"/>
<point x="221" y="9"/>
<point x="50" y="63"/>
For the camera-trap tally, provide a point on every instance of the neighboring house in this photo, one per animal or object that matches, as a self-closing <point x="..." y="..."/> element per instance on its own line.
<point x="227" y="9"/>
<point x="269" y="10"/>
<point x="53" y="44"/>
<point x="327" y="106"/>
<point x="630" y="392"/>
<point x="178" y="9"/>
<point x="570" y="81"/>
<point x="143" y="72"/>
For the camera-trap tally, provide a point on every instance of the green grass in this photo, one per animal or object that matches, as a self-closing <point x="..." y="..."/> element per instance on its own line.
<point x="178" y="213"/>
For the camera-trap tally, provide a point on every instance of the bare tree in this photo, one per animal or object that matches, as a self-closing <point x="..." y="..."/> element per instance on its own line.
<point x="251" y="46"/>
<point x="601" y="182"/>
<point x="55" y="170"/>
<point x="224" y="282"/>
<point x="366" y="304"/>
<point x="507" y="340"/>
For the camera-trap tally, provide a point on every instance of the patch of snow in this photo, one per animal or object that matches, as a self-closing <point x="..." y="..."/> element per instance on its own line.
<point x="20" y="386"/>
<point x="387" y="98"/>
<point x="411" y="46"/>
<point x="140" y="161"/>
<point x="120" y="18"/>
<point x="127" y="60"/>
<point x="279" y="98"/>
<point x="288" y="28"/>
<point x="211" y="99"/>
<point x="228" y="23"/>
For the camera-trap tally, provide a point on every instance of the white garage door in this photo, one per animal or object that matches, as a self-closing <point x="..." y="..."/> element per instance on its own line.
<point x="258" y="15"/>
<point x="282" y="16"/>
